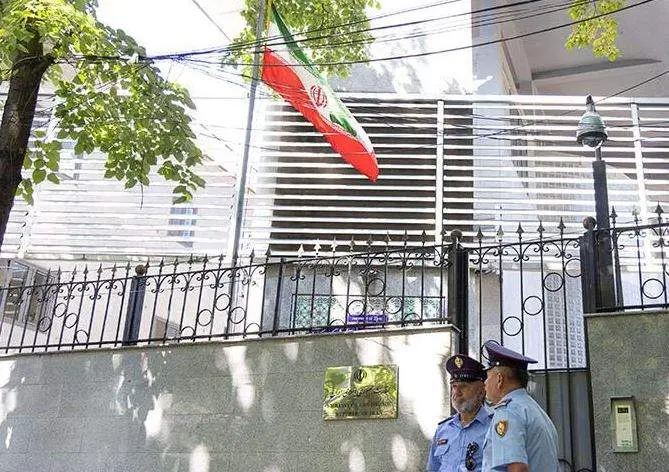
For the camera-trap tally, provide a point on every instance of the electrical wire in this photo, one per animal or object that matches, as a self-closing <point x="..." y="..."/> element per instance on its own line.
<point x="268" y="40"/>
<point x="462" y="48"/>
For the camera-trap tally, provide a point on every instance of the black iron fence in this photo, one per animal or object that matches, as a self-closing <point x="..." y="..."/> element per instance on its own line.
<point x="524" y="290"/>
<point x="204" y="299"/>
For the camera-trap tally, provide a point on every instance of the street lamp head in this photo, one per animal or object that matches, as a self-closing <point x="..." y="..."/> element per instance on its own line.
<point x="591" y="129"/>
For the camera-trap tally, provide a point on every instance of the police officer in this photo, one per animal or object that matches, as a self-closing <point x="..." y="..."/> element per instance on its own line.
<point x="457" y="445"/>
<point x="522" y="437"/>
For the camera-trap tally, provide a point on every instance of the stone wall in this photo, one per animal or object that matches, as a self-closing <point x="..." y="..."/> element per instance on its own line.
<point x="629" y="356"/>
<point x="252" y="406"/>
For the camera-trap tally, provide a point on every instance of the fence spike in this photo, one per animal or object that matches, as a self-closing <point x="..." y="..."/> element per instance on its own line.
<point x="541" y="228"/>
<point x="370" y="241"/>
<point x="561" y="225"/>
<point x="300" y="251"/>
<point x="351" y="245"/>
<point x="317" y="246"/>
<point x="268" y="253"/>
<point x="659" y="210"/>
<point x="388" y="240"/>
<point x="500" y="233"/>
<point x="479" y="235"/>
<point x="334" y="244"/>
<point x="520" y="230"/>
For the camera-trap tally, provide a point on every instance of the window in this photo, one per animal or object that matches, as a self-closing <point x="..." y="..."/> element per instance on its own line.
<point x="163" y="329"/>
<point x="187" y="223"/>
<point x="24" y="294"/>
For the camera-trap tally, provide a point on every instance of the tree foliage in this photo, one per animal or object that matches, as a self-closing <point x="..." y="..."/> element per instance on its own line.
<point x="335" y="31"/>
<point x="106" y="98"/>
<point x="601" y="33"/>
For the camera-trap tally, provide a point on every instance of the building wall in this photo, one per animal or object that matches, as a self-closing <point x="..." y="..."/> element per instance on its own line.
<point x="245" y="406"/>
<point x="628" y="356"/>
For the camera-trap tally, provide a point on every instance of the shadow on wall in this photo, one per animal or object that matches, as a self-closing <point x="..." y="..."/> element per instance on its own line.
<point x="400" y="76"/>
<point x="253" y="406"/>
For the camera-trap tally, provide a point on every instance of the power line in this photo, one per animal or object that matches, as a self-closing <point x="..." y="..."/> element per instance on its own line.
<point x="268" y="40"/>
<point x="546" y="122"/>
<point x="461" y="48"/>
<point x="211" y="20"/>
<point x="501" y="19"/>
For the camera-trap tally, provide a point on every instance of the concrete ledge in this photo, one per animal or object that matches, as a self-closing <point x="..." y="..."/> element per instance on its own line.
<point x="611" y="314"/>
<point x="238" y="340"/>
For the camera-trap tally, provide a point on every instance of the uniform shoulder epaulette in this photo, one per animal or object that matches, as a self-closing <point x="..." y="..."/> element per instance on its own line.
<point x="445" y="420"/>
<point x="504" y="402"/>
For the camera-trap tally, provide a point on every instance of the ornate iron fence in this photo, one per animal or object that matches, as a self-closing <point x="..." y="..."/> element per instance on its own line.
<point x="204" y="299"/>
<point x="525" y="290"/>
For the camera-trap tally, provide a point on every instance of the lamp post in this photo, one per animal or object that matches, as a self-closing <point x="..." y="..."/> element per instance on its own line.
<point x="592" y="133"/>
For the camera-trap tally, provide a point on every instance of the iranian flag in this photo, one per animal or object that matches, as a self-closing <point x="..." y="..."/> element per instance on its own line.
<point x="288" y="71"/>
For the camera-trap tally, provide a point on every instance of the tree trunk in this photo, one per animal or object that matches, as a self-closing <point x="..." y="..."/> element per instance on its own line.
<point x="17" y="120"/>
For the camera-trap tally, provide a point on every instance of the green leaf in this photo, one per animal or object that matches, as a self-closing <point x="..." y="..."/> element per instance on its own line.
<point x="599" y="33"/>
<point x="339" y="32"/>
<point x="127" y="110"/>
<point x="39" y="175"/>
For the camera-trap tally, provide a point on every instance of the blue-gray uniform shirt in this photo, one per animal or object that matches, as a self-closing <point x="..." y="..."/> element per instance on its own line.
<point x="520" y="431"/>
<point x="448" y="450"/>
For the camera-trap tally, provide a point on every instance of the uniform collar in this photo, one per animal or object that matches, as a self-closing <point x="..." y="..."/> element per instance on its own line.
<point x="519" y="392"/>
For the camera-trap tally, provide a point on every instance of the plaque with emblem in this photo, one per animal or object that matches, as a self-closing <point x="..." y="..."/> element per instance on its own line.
<point x="360" y="392"/>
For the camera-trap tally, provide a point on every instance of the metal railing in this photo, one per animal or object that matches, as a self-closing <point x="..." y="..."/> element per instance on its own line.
<point x="203" y="299"/>
<point x="526" y="290"/>
<point x="637" y="274"/>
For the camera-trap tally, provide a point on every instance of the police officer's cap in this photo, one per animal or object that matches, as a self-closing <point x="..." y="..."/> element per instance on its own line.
<point x="499" y="355"/>
<point x="464" y="368"/>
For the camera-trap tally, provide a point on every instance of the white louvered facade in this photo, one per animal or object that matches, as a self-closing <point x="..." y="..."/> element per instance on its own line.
<point x="446" y="162"/>
<point x="452" y="162"/>
<point x="89" y="217"/>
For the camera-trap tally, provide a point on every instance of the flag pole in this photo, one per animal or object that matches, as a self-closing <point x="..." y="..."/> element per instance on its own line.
<point x="240" y="190"/>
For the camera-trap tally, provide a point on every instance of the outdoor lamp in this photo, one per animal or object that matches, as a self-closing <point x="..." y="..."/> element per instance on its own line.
<point x="591" y="129"/>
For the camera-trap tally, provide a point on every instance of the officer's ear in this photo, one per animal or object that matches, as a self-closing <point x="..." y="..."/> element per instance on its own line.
<point x="502" y="375"/>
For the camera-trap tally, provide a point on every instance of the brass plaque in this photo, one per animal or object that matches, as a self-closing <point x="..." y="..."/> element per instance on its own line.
<point x="360" y="392"/>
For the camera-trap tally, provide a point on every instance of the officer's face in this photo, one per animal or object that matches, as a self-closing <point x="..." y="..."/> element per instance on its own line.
<point x="466" y="396"/>
<point x="492" y="386"/>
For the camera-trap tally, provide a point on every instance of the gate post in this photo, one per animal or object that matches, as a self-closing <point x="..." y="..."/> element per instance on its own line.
<point x="133" y="318"/>
<point x="591" y="301"/>
<point x="588" y="247"/>
<point x="458" y="294"/>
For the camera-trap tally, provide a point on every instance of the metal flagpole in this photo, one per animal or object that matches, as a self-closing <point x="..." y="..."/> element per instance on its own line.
<point x="243" y="169"/>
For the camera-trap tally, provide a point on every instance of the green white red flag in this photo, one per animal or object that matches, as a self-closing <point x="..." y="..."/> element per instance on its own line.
<point x="289" y="72"/>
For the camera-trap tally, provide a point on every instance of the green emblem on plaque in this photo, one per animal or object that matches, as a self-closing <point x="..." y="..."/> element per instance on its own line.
<point x="360" y="392"/>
